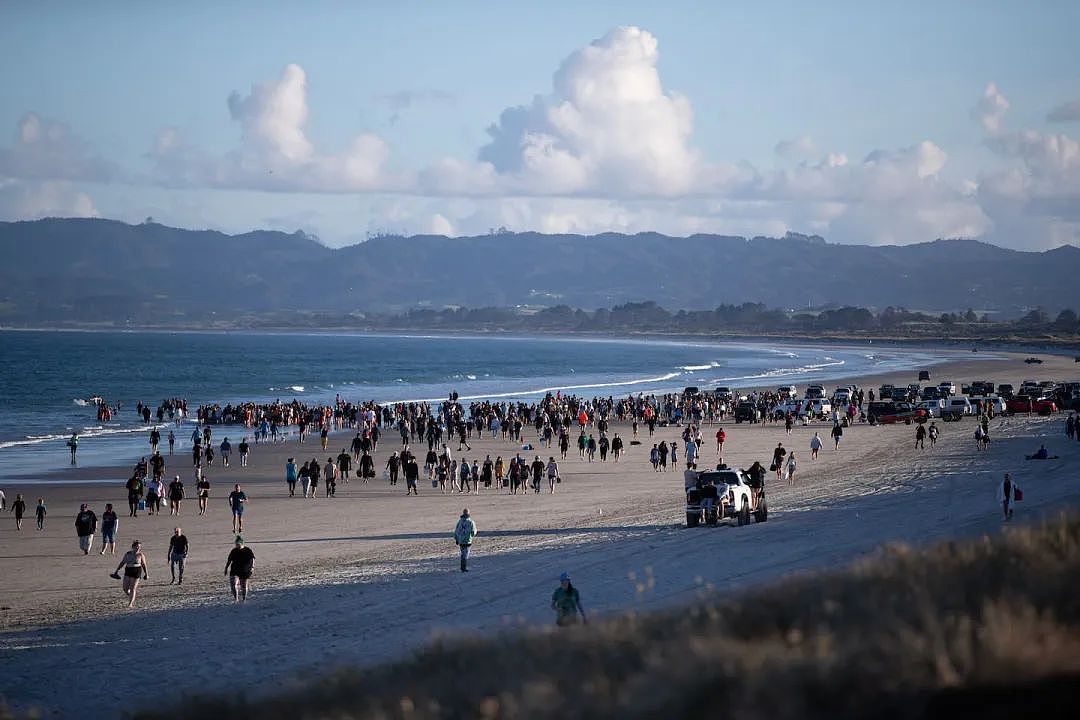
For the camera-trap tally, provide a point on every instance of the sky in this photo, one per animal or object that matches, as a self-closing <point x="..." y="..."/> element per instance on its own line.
<point x="866" y="123"/>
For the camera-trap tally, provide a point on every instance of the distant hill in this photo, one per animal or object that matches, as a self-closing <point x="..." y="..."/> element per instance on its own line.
<point x="87" y="270"/>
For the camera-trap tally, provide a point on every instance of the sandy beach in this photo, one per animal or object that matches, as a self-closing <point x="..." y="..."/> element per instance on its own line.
<point x="370" y="574"/>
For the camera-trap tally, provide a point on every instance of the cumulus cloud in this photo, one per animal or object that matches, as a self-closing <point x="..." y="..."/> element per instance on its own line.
<point x="275" y="152"/>
<point x="608" y="124"/>
<point x="990" y="109"/>
<point x="1035" y="199"/>
<point x="1064" y="113"/>
<point x="23" y="200"/>
<point x="44" y="149"/>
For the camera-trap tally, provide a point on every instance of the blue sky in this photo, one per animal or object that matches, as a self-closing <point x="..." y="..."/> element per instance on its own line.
<point x="863" y="122"/>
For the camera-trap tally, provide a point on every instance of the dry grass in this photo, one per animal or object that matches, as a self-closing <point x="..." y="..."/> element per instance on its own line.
<point x="990" y="627"/>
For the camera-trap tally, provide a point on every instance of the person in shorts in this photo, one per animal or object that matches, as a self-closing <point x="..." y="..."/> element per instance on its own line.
<point x="238" y="568"/>
<point x="237" y="500"/>
<point x="110" y="522"/>
<point x="134" y="564"/>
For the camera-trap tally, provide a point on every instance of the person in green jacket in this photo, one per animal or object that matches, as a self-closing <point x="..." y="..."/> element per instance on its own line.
<point x="463" y="536"/>
<point x="566" y="602"/>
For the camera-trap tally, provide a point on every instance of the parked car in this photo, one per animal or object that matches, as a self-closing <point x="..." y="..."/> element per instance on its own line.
<point x="1033" y="361"/>
<point x="1005" y="390"/>
<point x="956" y="407"/>
<point x="885" y="392"/>
<point x="930" y="392"/>
<point x="789" y="391"/>
<point x="895" y="412"/>
<point x="924" y="375"/>
<point x="745" y="411"/>
<point x="742" y="501"/>
<point x="724" y="394"/>
<point x="947" y="387"/>
<point x="815" y="392"/>
<point x="842" y="395"/>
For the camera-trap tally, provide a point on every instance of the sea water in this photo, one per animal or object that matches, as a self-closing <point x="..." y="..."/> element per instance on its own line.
<point x="47" y="379"/>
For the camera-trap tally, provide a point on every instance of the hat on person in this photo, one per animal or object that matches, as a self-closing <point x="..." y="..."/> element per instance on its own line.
<point x="465" y="512"/>
<point x="565" y="577"/>
<point x="239" y="540"/>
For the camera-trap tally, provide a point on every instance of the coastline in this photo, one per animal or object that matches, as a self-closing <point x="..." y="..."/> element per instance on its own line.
<point x="1065" y="346"/>
<point x="976" y="367"/>
<point x="385" y="566"/>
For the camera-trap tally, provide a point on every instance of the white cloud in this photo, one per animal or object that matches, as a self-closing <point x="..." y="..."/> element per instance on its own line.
<point x="44" y="149"/>
<point x="607" y="126"/>
<point x="275" y="152"/>
<point x="1035" y="200"/>
<point x="23" y="200"/>
<point x="991" y="108"/>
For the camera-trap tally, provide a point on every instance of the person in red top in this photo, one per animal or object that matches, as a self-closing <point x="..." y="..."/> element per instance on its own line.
<point x="721" y="436"/>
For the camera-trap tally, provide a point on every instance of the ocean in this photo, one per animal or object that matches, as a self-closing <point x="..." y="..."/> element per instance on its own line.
<point x="47" y="378"/>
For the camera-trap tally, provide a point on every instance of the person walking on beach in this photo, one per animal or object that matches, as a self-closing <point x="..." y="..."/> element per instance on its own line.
<point x="920" y="437"/>
<point x="244" y="449"/>
<point x="721" y="438"/>
<point x="41" y="511"/>
<point x="172" y="441"/>
<point x="178" y="550"/>
<point x="933" y="435"/>
<point x="552" y="474"/>
<point x="237" y="501"/>
<point x="19" y="508"/>
<point x="110" y="523"/>
<point x="566" y="602"/>
<point x="837" y="433"/>
<point x="176" y="495"/>
<point x="85" y="527"/>
<point x="791" y="469"/>
<point x="815" y="446"/>
<point x="134" y="493"/>
<point x="239" y="567"/>
<point x="616" y="447"/>
<point x="314" y="472"/>
<point x="134" y="564"/>
<point x="226" y="451"/>
<point x="1008" y="493"/>
<point x="330" y="472"/>
<point x="778" y="460"/>
<point x="291" y="476"/>
<point x="202" y="487"/>
<point x="464" y="533"/>
<point x="412" y="475"/>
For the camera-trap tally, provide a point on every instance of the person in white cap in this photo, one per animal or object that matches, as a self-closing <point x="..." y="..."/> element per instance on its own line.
<point x="566" y="602"/>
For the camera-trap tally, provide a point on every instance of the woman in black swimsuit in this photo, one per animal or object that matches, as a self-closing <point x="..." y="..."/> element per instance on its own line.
<point x="134" y="564"/>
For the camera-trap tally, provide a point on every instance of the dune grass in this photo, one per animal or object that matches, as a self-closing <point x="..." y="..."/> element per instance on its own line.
<point x="989" y="627"/>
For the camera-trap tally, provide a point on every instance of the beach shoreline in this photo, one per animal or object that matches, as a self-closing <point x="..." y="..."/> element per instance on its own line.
<point x="363" y="577"/>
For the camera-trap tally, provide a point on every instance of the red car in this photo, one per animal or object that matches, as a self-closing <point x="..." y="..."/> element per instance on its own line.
<point x="1031" y="404"/>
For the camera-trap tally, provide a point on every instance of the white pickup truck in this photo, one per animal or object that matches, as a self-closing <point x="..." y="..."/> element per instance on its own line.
<point x="725" y="494"/>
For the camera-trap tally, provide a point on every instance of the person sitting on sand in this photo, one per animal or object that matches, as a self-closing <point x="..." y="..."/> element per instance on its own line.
<point x="1041" y="454"/>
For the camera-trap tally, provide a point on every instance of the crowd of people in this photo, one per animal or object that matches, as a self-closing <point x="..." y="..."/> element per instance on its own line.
<point x="558" y="420"/>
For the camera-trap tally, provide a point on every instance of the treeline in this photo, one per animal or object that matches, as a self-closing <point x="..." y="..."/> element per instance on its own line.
<point x="649" y="317"/>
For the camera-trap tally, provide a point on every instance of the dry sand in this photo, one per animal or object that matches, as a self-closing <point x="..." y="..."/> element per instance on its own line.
<point x="369" y="575"/>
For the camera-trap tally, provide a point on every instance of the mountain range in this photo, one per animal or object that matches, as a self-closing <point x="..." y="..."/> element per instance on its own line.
<point x="59" y="271"/>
